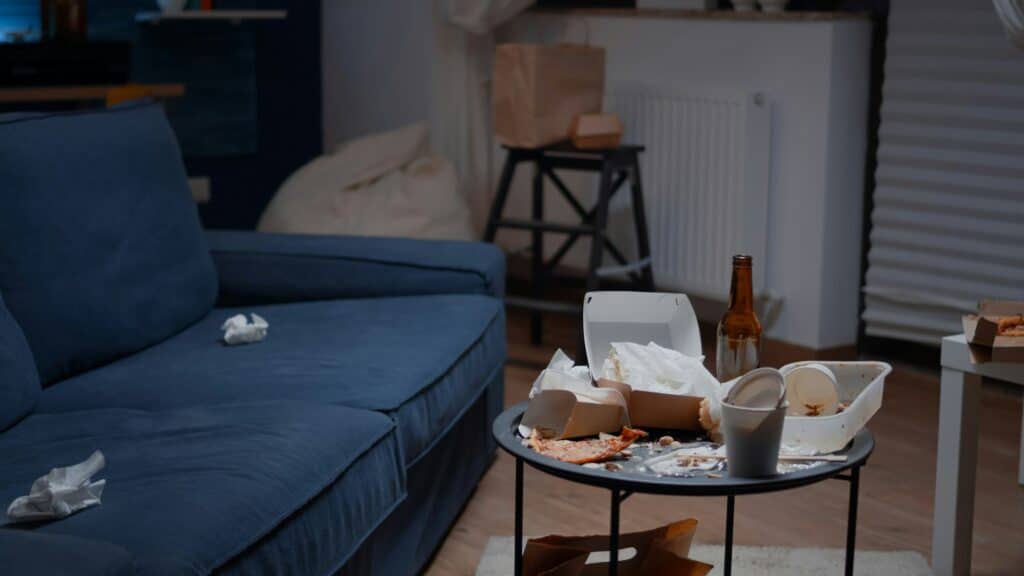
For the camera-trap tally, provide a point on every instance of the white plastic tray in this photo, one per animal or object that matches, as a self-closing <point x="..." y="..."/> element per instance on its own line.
<point x="861" y="385"/>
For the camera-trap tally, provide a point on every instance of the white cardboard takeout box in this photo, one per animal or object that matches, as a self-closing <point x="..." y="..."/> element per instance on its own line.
<point x="641" y="317"/>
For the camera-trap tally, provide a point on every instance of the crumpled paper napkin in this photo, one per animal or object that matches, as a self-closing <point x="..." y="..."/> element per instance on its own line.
<point x="61" y="493"/>
<point x="652" y="368"/>
<point x="238" y="330"/>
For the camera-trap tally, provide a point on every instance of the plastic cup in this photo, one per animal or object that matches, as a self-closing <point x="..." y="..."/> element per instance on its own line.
<point x="753" y="415"/>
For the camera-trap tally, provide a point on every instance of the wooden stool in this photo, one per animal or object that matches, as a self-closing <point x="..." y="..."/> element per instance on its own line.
<point x="616" y="166"/>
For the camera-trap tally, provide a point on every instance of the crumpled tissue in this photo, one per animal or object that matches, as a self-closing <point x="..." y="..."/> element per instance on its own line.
<point x="652" y="368"/>
<point x="238" y="330"/>
<point x="61" y="493"/>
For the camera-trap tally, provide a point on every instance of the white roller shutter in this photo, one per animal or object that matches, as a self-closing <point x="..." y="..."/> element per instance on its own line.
<point x="948" y="222"/>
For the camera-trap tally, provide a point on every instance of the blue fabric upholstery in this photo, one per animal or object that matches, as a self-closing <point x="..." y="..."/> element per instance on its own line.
<point x="193" y="490"/>
<point x="101" y="253"/>
<point x="19" y="382"/>
<point x="381" y="354"/>
<point x="29" y="552"/>
<point x="263" y="268"/>
<point x="405" y="543"/>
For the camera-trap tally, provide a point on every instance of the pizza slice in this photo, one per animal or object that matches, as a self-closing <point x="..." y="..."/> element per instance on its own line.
<point x="585" y="451"/>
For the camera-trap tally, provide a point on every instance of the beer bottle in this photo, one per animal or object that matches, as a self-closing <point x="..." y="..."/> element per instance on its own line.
<point x="739" y="331"/>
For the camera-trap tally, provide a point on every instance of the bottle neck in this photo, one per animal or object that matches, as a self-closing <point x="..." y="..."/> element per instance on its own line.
<point x="741" y="294"/>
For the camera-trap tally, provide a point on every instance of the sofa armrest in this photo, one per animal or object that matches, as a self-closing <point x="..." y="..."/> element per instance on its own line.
<point x="257" y="268"/>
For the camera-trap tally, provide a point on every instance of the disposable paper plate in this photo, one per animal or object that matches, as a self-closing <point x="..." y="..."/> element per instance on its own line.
<point x="666" y="319"/>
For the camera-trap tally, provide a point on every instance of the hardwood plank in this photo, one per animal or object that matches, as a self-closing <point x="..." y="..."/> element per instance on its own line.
<point x="897" y="485"/>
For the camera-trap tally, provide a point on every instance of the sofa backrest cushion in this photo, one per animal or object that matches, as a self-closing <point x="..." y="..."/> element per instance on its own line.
<point x="19" y="382"/>
<point x="101" y="251"/>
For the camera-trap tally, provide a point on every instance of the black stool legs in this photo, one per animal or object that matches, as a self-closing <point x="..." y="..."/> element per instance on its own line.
<point x="616" y="166"/>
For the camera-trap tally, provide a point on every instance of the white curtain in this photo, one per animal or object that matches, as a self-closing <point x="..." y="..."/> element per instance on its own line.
<point x="483" y="16"/>
<point x="1011" y="12"/>
<point x="460" y="123"/>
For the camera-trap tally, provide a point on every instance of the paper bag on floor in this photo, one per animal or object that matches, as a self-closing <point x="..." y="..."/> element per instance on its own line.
<point x="662" y="552"/>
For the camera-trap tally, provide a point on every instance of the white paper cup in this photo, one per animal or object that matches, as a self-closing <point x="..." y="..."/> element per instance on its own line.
<point x="811" y="386"/>
<point x="753" y="414"/>
<point x="752" y="439"/>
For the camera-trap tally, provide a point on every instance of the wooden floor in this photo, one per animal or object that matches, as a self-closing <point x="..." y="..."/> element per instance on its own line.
<point x="897" y="485"/>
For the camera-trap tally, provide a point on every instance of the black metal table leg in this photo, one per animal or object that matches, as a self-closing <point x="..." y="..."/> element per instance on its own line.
<point x="600" y="223"/>
<point x="643" y="241"/>
<point x="498" y="205"/>
<point x="519" y="519"/>
<point x="537" y="249"/>
<point x="613" y="535"/>
<point x="851" y="521"/>
<point x="730" y="510"/>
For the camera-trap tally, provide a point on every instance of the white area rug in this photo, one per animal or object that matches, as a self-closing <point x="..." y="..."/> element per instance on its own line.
<point x="754" y="561"/>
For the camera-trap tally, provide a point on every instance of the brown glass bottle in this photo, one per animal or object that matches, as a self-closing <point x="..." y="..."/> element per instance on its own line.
<point x="739" y="331"/>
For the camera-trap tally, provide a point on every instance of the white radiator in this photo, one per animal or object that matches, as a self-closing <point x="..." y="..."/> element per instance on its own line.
<point x="705" y="177"/>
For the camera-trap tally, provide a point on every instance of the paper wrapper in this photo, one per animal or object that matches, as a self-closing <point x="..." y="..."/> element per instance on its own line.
<point x="538" y="90"/>
<point x="662" y="551"/>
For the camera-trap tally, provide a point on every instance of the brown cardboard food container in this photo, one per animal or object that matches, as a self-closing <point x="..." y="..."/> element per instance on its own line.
<point x="656" y="410"/>
<point x="559" y="414"/>
<point x="981" y="332"/>
<point x="538" y="89"/>
<point x="662" y="551"/>
<point x="666" y="319"/>
<point x="596" y="131"/>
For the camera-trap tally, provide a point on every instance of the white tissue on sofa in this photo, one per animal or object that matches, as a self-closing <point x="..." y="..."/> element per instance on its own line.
<point x="238" y="330"/>
<point x="61" y="493"/>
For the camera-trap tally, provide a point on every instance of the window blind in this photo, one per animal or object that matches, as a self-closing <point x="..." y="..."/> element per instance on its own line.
<point x="948" y="218"/>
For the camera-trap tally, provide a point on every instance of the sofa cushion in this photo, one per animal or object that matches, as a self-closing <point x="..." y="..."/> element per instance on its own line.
<point x="30" y="552"/>
<point x="192" y="490"/>
<point x="421" y="359"/>
<point x="101" y="252"/>
<point x="19" y="382"/>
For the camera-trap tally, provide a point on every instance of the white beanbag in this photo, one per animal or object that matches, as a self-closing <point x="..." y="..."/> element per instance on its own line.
<point x="387" y="184"/>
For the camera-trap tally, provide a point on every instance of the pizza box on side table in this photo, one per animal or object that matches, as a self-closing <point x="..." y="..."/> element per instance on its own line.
<point x="981" y="332"/>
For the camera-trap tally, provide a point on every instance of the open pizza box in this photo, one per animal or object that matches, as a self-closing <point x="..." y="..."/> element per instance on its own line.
<point x="641" y="317"/>
<point x="982" y="333"/>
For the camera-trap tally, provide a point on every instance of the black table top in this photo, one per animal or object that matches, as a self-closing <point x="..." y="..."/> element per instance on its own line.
<point x="505" y="430"/>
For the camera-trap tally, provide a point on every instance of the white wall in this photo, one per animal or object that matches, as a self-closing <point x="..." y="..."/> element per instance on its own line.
<point x="816" y="75"/>
<point x="377" y="58"/>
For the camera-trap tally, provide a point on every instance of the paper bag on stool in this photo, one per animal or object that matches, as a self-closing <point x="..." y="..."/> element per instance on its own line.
<point x="660" y="552"/>
<point x="539" y="89"/>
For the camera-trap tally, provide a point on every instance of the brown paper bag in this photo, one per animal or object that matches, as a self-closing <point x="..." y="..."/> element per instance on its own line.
<point x="660" y="552"/>
<point x="539" y="89"/>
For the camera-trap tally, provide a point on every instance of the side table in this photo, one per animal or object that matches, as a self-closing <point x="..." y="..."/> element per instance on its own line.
<point x="622" y="485"/>
<point x="959" y="402"/>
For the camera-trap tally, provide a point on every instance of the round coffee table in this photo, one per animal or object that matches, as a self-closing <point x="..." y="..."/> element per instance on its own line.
<point x="624" y="484"/>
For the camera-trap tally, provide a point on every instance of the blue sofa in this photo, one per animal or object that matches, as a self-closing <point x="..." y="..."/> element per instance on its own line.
<point x="346" y="442"/>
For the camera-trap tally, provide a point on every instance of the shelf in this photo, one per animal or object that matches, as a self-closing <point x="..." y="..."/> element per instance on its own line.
<point x="220" y="15"/>
<point x="83" y="93"/>
<point x="681" y="14"/>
